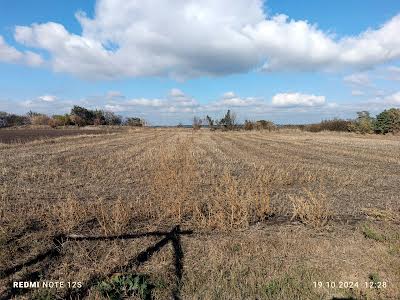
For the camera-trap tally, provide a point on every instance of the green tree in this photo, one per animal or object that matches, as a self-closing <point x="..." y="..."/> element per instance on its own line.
<point x="85" y="116"/>
<point x="388" y="121"/>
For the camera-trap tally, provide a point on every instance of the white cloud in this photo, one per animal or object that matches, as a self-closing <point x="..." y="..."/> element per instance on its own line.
<point x="8" y="53"/>
<point x="176" y="93"/>
<point x="361" y="79"/>
<point x="146" y="102"/>
<point x="297" y="99"/>
<point x="229" y="95"/>
<point x="114" y="108"/>
<point x="393" y="69"/>
<point x="357" y="93"/>
<point x="197" y="38"/>
<point x="393" y="99"/>
<point x="11" y="55"/>
<point x="393" y="73"/>
<point x="230" y="99"/>
<point x="48" y="98"/>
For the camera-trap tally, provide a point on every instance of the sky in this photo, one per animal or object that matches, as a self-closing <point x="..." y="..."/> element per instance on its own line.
<point x="167" y="61"/>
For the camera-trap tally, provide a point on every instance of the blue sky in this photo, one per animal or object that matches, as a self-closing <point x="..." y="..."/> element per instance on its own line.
<point x="167" y="61"/>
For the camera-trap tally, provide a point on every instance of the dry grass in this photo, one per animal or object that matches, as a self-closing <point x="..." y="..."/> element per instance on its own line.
<point x="176" y="193"/>
<point x="242" y="193"/>
<point x="311" y="209"/>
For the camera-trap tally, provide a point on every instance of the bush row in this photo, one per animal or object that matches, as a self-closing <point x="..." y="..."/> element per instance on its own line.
<point x="79" y="116"/>
<point x="387" y="121"/>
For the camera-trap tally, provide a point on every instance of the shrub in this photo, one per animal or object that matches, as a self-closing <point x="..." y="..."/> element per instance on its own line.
<point x="9" y="120"/>
<point x="77" y="120"/>
<point x="85" y="116"/>
<point x="388" y="121"/>
<point x="335" y="125"/>
<point x="98" y="122"/>
<point x="61" y="120"/>
<point x="363" y="124"/>
<point x="135" y="122"/>
<point x="40" y="119"/>
<point x="98" y="118"/>
<point x="329" y="125"/>
<point x="266" y="125"/>
<point x="248" y="125"/>
<point x="112" y="119"/>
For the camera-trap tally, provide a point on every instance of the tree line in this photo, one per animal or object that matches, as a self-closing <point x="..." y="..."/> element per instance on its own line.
<point x="388" y="121"/>
<point x="79" y="116"/>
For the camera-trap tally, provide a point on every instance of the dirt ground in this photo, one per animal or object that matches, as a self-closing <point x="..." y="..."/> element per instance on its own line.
<point x="260" y="215"/>
<point x="23" y="135"/>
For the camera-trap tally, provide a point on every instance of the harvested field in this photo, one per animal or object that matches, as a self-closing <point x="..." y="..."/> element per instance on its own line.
<point x="262" y="215"/>
<point x="9" y="136"/>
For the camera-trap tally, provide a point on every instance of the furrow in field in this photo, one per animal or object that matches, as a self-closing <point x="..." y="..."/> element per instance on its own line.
<point x="322" y="148"/>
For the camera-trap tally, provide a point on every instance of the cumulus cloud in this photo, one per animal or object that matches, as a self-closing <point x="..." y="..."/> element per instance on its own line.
<point x="197" y="38"/>
<point x="297" y="99"/>
<point x="11" y="55"/>
<point x="8" y="53"/>
<point x="48" y="98"/>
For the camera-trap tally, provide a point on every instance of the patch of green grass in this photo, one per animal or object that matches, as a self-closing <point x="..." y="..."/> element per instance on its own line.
<point x="123" y="286"/>
<point x="370" y="233"/>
